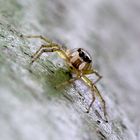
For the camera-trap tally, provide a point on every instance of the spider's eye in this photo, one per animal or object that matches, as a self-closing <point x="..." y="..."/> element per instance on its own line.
<point x="84" y="55"/>
<point x="79" y="50"/>
<point x="86" y="59"/>
<point x="81" y="54"/>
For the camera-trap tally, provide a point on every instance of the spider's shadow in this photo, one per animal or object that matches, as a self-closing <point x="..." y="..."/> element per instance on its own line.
<point x="50" y="76"/>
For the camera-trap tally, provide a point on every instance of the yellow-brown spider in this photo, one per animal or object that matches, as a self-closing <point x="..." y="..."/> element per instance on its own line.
<point x="79" y="62"/>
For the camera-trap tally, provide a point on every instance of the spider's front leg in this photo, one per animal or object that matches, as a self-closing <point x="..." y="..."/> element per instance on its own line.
<point x="95" y="91"/>
<point x="48" y="48"/>
<point x="37" y="36"/>
<point x="38" y="53"/>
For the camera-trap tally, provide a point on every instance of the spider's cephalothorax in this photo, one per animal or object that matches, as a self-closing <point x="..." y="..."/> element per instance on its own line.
<point x="80" y="63"/>
<point x="80" y="59"/>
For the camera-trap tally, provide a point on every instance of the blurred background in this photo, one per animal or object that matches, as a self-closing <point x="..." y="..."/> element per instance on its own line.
<point x="30" y="107"/>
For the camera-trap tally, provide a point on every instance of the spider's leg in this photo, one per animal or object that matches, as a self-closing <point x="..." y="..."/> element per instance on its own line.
<point x="98" y="75"/>
<point x="49" y="48"/>
<point x="39" y="52"/>
<point x="91" y="103"/>
<point x="39" y="37"/>
<point x="96" y="91"/>
<point x="93" y="71"/>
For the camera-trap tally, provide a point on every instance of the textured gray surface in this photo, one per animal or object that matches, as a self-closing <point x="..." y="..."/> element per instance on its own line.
<point x="31" y="108"/>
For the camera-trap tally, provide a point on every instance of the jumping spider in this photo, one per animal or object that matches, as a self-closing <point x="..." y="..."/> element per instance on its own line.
<point x="79" y="62"/>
